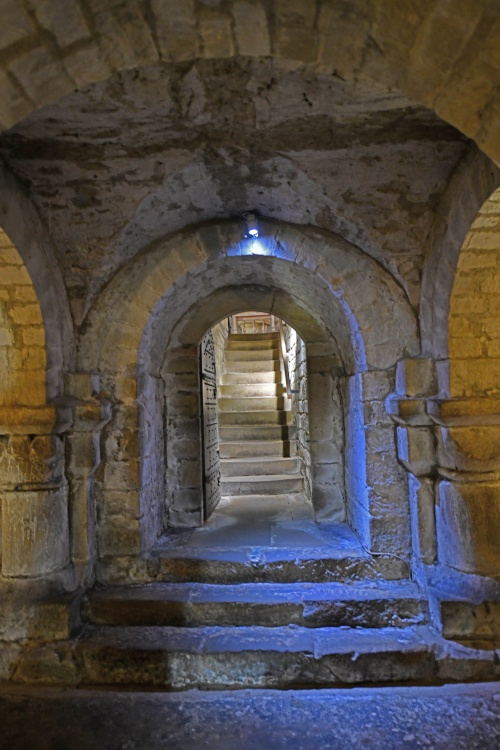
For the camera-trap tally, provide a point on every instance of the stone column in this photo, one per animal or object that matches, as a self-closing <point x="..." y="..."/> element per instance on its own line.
<point x="377" y="487"/>
<point x="86" y="416"/>
<point x="468" y="498"/>
<point x="184" y="476"/>
<point x="33" y="492"/>
<point x="415" y="383"/>
<point x="451" y="448"/>
<point x="325" y="419"/>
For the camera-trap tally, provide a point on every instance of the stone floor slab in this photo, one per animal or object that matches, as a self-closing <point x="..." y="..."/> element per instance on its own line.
<point x="462" y="717"/>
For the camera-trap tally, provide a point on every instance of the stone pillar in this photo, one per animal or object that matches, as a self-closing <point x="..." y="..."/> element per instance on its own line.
<point x="468" y="499"/>
<point x="377" y="487"/>
<point x="184" y="475"/>
<point x="118" y="476"/>
<point x="415" y="383"/>
<point x="86" y="416"/>
<point x="326" y="429"/>
<point x="33" y="493"/>
<point x="451" y="448"/>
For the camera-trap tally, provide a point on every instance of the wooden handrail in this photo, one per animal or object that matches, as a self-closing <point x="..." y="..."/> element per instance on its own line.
<point x="284" y="354"/>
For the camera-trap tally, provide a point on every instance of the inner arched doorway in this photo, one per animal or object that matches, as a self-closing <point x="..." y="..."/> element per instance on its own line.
<point x="142" y="342"/>
<point x="327" y="374"/>
<point x="255" y="427"/>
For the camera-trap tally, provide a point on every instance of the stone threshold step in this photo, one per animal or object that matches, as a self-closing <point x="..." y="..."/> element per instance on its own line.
<point x="270" y="605"/>
<point x="266" y="565"/>
<point x="251" y="657"/>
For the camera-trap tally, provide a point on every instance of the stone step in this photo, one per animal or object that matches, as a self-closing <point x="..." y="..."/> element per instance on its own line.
<point x="257" y="417"/>
<point x="251" y="344"/>
<point x="247" y="403"/>
<point x="381" y="604"/>
<point x="246" y="366"/>
<point x="245" y="432"/>
<point x="274" y="336"/>
<point x="261" y="466"/>
<point x="251" y="355"/>
<point x="269" y="484"/>
<point x="212" y="658"/>
<point x="342" y="560"/>
<point x="248" y="448"/>
<point x="247" y="378"/>
<point x="251" y="390"/>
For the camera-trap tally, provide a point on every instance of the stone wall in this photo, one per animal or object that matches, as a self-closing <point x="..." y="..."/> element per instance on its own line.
<point x="220" y="333"/>
<point x="328" y="411"/>
<point x="326" y="117"/>
<point x="166" y="280"/>
<point x="22" y="335"/>
<point x="297" y="365"/>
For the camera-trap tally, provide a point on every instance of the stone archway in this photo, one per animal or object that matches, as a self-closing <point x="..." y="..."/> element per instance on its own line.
<point x="449" y="413"/>
<point x="327" y="375"/>
<point x="468" y="432"/>
<point x="164" y="302"/>
<point x="387" y="44"/>
<point x="470" y="186"/>
<point x="34" y="519"/>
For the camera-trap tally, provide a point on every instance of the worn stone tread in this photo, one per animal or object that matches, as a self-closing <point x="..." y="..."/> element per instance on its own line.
<point x="251" y="484"/>
<point x="267" y="604"/>
<point x="262" y="479"/>
<point x="257" y="416"/>
<point x="269" y="466"/>
<point x="257" y="432"/>
<point x="256" y="448"/>
<point x="319" y="641"/>
<point x="264" y="592"/>
<point x="253" y="657"/>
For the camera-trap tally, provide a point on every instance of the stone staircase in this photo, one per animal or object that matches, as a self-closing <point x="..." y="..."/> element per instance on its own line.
<point x="308" y="634"/>
<point x="258" y="446"/>
<point x="222" y="617"/>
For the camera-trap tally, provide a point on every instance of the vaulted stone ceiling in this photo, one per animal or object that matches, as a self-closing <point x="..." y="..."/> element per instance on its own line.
<point x="119" y="164"/>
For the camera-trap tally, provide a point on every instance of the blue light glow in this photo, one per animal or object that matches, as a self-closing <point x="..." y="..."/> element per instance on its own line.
<point x="256" y="247"/>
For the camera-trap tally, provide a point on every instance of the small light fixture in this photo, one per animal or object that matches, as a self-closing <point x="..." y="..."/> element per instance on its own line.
<point x="252" y="225"/>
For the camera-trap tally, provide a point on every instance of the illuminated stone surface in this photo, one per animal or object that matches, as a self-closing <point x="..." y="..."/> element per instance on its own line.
<point x="134" y="135"/>
<point x="464" y="716"/>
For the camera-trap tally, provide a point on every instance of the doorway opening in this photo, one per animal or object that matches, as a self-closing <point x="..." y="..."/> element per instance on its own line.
<point x="256" y="454"/>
